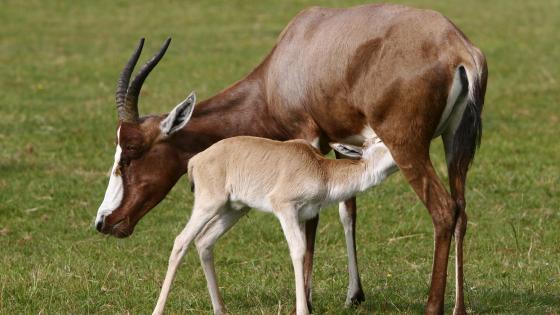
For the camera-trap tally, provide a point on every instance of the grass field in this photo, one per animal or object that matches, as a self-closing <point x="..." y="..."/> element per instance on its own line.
<point x="59" y="63"/>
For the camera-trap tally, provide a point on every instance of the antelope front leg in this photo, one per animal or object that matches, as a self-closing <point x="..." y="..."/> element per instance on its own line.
<point x="347" y="212"/>
<point x="294" y="231"/>
<point x="199" y="218"/>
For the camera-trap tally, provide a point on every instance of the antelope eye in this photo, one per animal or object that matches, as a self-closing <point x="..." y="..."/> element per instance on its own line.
<point x="123" y="162"/>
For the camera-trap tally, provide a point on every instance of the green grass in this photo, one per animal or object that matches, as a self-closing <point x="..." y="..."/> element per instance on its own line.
<point x="59" y="61"/>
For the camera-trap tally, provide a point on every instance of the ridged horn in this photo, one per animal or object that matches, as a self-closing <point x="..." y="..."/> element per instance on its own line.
<point x="125" y="113"/>
<point x="131" y="100"/>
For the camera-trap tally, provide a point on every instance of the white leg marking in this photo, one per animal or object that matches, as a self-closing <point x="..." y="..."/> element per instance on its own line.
<point x="114" y="192"/>
<point x="353" y="275"/>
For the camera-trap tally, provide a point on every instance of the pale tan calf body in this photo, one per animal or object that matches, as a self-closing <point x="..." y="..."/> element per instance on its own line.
<point x="290" y="179"/>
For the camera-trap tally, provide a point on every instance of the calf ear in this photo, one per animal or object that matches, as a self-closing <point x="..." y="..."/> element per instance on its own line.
<point x="179" y="116"/>
<point x="347" y="150"/>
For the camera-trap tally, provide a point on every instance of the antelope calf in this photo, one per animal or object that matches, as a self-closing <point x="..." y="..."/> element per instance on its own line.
<point x="290" y="179"/>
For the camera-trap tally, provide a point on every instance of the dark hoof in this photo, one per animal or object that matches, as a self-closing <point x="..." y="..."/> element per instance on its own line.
<point x="355" y="299"/>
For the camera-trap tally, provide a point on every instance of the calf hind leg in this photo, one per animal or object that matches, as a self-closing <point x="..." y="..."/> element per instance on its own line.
<point x="205" y="245"/>
<point x="200" y="216"/>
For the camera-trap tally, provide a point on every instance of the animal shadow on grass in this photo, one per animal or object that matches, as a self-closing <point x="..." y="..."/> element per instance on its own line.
<point x="483" y="302"/>
<point x="267" y="302"/>
<point x="489" y="301"/>
<point x="513" y="302"/>
<point x="240" y="301"/>
<point x="380" y="303"/>
<point x="480" y="302"/>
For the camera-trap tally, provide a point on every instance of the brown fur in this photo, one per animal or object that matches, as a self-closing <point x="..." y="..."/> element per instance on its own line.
<point x="332" y="72"/>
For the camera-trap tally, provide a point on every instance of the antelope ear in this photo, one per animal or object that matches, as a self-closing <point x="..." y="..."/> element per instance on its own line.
<point x="179" y="116"/>
<point x="347" y="150"/>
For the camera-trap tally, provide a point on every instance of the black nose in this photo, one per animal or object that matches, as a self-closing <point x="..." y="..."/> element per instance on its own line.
<point x="99" y="224"/>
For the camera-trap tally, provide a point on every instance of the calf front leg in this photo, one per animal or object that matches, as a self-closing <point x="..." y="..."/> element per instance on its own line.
<point x="294" y="231"/>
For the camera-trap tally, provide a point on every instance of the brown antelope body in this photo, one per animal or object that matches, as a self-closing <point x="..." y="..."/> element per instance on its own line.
<point x="335" y="75"/>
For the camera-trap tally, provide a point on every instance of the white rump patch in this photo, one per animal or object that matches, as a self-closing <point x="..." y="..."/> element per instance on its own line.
<point x="114" y="193"/>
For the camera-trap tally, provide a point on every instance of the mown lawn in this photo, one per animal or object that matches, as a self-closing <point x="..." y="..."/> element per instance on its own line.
<point x="59" y="61"/>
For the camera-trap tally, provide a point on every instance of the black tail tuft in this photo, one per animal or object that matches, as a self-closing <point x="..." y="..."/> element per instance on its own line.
<point x="469" y="133"/>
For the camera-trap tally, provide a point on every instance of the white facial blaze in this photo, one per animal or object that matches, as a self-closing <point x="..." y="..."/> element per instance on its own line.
<point x="114" y="193"/>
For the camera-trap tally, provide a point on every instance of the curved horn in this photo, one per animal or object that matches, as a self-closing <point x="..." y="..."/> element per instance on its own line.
<point x="123" y="111"/>
<point x="131" y="102"/>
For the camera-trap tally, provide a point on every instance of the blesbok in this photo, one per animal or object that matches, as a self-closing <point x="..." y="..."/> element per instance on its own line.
<point x="334" y="75"/>
<point x="290" y="179"/>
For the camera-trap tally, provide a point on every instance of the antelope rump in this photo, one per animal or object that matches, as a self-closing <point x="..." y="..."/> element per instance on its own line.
<point x="346" y="75"/>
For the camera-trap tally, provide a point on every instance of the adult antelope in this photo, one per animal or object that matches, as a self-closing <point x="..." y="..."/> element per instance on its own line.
<point x="334" y="75"/>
